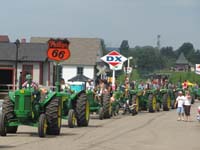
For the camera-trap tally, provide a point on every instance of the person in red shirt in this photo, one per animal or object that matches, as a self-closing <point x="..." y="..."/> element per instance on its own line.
<point x="185" y="84"/>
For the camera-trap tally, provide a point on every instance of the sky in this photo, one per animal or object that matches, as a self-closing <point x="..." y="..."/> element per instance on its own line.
<point x="138" y="21"/>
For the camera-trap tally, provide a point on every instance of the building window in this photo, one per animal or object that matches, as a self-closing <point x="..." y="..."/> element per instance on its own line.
<point x="79" y="70"/>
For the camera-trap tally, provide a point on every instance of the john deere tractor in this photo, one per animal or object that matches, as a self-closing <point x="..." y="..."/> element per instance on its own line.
<point x="75" y="104"/>
<point x="25" y="107"/>
<point x="163" y="99"/>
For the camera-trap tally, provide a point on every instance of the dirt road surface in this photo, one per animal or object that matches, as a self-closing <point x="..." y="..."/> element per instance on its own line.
<point x="145" y="131"/>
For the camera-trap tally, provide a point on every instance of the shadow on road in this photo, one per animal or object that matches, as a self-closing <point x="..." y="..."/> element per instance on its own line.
<point x="6" y="146"/>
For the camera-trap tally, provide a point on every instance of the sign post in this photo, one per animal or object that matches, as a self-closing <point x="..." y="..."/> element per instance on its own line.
<point x="58" y="50"/>
<point x="114" y="59"/>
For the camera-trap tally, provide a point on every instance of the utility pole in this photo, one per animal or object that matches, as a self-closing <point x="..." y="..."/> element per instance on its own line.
<point x="158" y="41"/>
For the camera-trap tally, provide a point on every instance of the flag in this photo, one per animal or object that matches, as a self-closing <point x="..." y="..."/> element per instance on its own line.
<point x="197" y="69"/>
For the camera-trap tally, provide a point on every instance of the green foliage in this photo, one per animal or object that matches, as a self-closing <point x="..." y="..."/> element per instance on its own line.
<point x="124" y="48"/>
<point x="181" y="76"/>
<point x="147" y="58"/>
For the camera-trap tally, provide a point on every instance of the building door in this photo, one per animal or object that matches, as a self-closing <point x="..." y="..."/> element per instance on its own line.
<point x="6" y="79"/>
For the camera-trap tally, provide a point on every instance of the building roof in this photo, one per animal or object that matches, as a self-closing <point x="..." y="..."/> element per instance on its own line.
<point x="84" y="51"/>
<point x="182" y="60"/>
<point x="4" y="39"/>
<point x="79" y="78"/>
<point x="26" y="52"/>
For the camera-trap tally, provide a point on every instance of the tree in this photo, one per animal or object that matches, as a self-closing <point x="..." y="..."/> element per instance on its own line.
<point x="187" y="49"/>
<point x="124" y="48"/>
<point x="167" y="52"/>
<point x="103" y="47"/>
<point x="148" y="58"/>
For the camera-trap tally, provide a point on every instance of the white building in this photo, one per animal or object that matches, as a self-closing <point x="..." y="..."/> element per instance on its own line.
<point x="85" y="54"/>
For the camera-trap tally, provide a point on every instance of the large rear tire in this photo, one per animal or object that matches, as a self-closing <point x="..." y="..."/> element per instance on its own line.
<point x="107" y="108"/>
<point x="166" y="102"/>
<point x="82" y="110"/>
<point x="152" y="103"/>
<point x="53" y="114"/>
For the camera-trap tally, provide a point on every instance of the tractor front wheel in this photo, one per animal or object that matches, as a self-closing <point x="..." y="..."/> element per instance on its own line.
<point x="3" y="120"/>
<point x="53" y="114"/>
<point x="135" y="101"/>
<point x="82" y="110"/>
<point x="71" y="118"/>
<point x="166" y="102"/>
<point x="152" y="103"/>
<point x="42" y="126"/>
<point x="107" y="108"/>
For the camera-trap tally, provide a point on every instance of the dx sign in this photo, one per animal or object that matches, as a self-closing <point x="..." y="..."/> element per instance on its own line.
<point x="114" y="59"/>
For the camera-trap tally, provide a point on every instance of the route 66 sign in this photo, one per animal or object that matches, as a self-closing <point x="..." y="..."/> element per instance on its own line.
<point x="58" y="49"/>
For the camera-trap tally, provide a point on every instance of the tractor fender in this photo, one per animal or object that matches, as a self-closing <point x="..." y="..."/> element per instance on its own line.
<point x="11" y="95"/>
<point x="47" y="98"/>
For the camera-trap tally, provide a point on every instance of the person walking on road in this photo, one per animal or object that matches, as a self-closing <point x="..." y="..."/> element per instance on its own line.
<point x="180" y="109"/>
<point x="187" y="105"/>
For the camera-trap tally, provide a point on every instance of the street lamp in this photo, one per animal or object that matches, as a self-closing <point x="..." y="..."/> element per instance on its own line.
<point x="129" y="58"/>
<point x="17" y="43"/>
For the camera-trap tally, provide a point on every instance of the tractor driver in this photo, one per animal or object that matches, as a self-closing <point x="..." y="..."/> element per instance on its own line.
<point x="29" y="83"/>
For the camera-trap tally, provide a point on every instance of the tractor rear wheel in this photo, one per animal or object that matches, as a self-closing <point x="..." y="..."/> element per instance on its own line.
<point x="53" y="114"/>
<point x="152" y="103"/>
<point x="106" y="105"/>
<point x="42" y="126"/>
<point x="166" y="102"/>
<point x="82" y="110"/>
<point x="8" y="110"/>
<point x="3" y="120"/>
<point x="71" y="118"/>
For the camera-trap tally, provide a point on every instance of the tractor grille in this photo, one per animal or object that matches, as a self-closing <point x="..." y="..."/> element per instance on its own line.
<point x="17" y="102"/>
<point x="27" y="103"/>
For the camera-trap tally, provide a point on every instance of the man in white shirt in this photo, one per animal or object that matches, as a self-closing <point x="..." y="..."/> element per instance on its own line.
<point x="180" y="109"/>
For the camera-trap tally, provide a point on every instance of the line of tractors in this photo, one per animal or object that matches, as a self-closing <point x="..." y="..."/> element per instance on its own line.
<point x="46" y="109"/>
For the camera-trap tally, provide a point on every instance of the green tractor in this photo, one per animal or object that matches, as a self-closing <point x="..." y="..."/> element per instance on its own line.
<point x="100" y="104"/>
<point x="24" y="107"/>
<point x="118" y="101"/>
<point x="163" y="99"/>
<point x="75" y="104"/>
<point x="145" y="99"/>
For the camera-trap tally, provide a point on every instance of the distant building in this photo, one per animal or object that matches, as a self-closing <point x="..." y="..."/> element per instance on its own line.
<point x="4" y="39"/>
<point x="31" y="59"/>
<point x="182" y="64"/>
